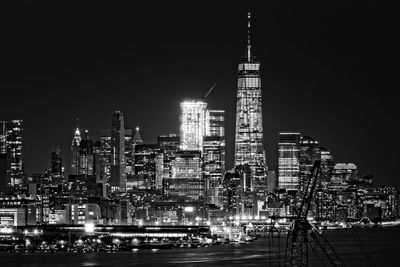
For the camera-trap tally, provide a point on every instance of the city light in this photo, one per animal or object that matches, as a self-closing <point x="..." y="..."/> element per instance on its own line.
<point x="6" y="230"/>
<point x="89" y="227"/>
<point x="188" y="188"/>
<point x="189" y="209"/>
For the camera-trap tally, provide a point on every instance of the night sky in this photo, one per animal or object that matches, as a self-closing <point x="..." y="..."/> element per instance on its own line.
<point x="327" y="71"/>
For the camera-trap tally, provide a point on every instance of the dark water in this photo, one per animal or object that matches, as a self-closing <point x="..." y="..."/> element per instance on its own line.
<point x="383" y="244"/>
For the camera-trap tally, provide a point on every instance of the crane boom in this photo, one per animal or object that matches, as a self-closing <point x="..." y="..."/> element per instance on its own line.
<point x="209" y="91"/>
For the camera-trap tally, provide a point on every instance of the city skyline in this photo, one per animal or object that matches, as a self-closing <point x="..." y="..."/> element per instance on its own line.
<point x="351" y="145"/>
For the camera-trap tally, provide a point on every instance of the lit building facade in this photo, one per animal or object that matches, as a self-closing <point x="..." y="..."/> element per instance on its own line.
<point x="149" y="163"/>
<point x="75" y="148"/>
<point x="249" y="144"/>
<point x="118" y="174"/>
<point x="103" y="160"/>
<point x="327" y="165"/>
<point x="11" y="147"/>
<point x="169" y="145"/>
<point x="309" y="153"/>
<point x="192" y="124"/>
<point x="186" y="164"/>
<point x="103" y="155"/>
<point x="56" y="165"/>
<point x="214" y="156"/>
<point x="186" y="176"/>
<point x="342" y="174"/>
<point x="289" y="161"/>
<point x="86" y="156"/>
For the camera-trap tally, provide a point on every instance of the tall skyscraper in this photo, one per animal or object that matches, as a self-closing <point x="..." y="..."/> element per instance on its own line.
<point x="129" y="153"/>
<point x="342" y="174"/>
<point x="214" y="156"/>
<point x="104" y="154"/>
<point x="309" y="153"/>
<point x="149" y="164"/>
<point x="56" y="165"/>
<point x="75" y="147"/>
<point x="289" y="161"/>
<point x="3" y="137"/>
<point x="11" y="146"/>
<point x="170" y="145"/>
<point x="86" y="156"/>
<point x="249" y="144"/>
<point x="104" y="157"/>
<point x="4" y="179"/>
<point x="193" y="124"/>
<point x="327" y="164"/>
<point x="118" y="175"/>
<point x="137" y="139"/>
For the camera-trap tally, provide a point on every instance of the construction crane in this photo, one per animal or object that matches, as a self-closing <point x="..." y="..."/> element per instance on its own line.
<point x="209" y="91"/>
<point x="302" y="234"/>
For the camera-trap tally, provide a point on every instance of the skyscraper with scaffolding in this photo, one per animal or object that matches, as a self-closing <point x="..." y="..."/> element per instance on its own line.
<point x="249" y="144"/>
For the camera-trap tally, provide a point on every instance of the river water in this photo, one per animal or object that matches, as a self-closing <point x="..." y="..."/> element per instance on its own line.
<point x="383" y="244"/>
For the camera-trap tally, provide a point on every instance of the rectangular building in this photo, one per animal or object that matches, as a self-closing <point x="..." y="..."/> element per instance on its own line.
<point x="289" y="161"/>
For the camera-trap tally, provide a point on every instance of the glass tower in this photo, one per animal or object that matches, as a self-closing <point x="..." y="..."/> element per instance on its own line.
<point x="118" y="175"/>
<point x="249" y="145"/>
<point x="214" y="155"/>
<point x="289" y="161"/>
<point x="75" y="147"/>
<point x="193" y="124"/>
<point x="11" y="149"/>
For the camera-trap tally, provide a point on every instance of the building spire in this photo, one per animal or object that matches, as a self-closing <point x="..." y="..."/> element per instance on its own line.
<point x="77" y="131"/>
<point x="248" y="36"/>
<point x="77" y="135"/>
<point x="137" y="139"/>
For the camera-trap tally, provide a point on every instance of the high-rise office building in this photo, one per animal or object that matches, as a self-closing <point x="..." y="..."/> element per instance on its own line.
<point x="56" y="165"/>
<point x="271" y="180"/>
<point x="129" y="153"/>
<point x="103" y="161"/>
<point x="289" y="161"/>
<point x="249" y="144"/>
<point x="215" y="123"/>
<point x="137" y="139"/>
<point x="327" y="165"/>
<point x="75" y="148"/>
<point x="186" y="176"/>
<point x="169" y="145"/>
<point x="86" y="156"/>
<point x="11" y="146"/>
<point x="103" y="155"/>
<point x="192" y="124"/>
<point x="3" y="137"/>
<point x="4" y="179"/>
<point x="149" y="164"/>
<point x="118" y="175"/>
<point x="342" y="174"/>
<point x="309" y="153"/>
<point x="214" y="156"/>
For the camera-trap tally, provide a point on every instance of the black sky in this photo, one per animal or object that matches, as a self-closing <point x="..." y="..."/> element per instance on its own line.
<point x="327" y="71"/>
